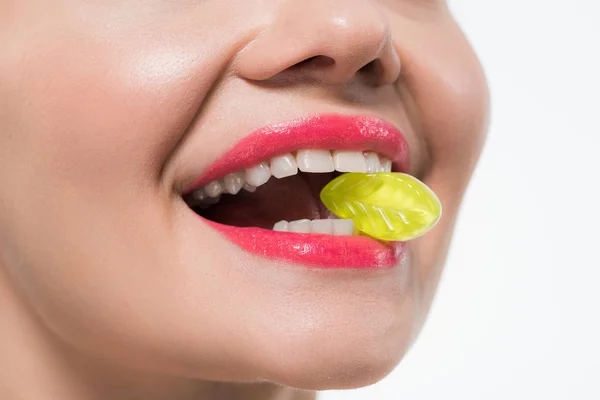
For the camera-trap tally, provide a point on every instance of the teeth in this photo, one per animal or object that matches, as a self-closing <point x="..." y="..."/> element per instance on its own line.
<point x="281" y="226"/>
<point x="372" y="163"/>
<point x="284" y="166"/>
<point x="386" y="165"/>
<point x="214" y="189"/>
<point x="349" y="161"/>
<point x="300" y="226"/>
<point x="315" y="161"/>
<point x="209" y="201"/>
<point x="338" y="227"/>
<point x="322" y="226"/>
<point x="234" y="182"/>
<point x="197" y="196"/>
<point x="249" y="188"/>
<point x="258" y="175"/>
<point x="343" y="227"/>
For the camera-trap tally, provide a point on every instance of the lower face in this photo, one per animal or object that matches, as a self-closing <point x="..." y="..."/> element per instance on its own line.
<point x="126" y="129"/>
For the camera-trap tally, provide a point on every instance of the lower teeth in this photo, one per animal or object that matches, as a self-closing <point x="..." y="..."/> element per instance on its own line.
<point x="337" y="227"/>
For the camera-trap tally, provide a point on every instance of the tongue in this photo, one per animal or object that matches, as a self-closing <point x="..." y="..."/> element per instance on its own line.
<point x="290" y="199"/>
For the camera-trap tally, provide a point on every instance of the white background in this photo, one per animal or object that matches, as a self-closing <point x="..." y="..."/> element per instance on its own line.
<point x="517" y="315"/>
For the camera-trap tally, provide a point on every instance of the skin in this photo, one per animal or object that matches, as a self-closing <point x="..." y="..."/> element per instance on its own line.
<point x="109" y="289"/>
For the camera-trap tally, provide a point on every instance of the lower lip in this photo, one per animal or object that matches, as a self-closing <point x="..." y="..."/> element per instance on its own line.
<point x="312" y="250"/>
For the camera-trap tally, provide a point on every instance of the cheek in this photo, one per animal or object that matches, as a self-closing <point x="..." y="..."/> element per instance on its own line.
<point x="451" y="102"/>
<point x="84" y="210"/>
<point x="99" y="104"/>
<point x="98" y="122"/>
<point x="93" y="119"/>
<point x="446" y="92"/>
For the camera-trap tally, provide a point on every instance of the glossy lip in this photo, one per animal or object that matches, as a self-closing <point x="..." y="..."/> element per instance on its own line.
<point x="330" y="132"/>
<point x="312" y="250"/>
<point x="322" y="132"/>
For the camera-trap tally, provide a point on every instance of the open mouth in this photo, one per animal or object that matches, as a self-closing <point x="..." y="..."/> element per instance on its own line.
<point x="282" y="193"/>
<point x="263" y="194"/>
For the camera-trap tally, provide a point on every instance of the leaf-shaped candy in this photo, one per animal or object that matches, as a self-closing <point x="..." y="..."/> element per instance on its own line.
<point x="388" y="205"/>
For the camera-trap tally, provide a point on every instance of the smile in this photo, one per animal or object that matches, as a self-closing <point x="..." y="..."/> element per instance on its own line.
<point x="263" y="194"/>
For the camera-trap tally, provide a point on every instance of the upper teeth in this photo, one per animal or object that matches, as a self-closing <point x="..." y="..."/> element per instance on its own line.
<point x="287" y="165"/>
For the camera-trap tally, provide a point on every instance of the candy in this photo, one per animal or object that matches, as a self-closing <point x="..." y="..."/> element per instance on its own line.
<point x="388" y="206"/>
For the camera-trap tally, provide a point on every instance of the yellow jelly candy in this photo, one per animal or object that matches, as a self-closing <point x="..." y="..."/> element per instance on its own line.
<point x="387" y="205"/>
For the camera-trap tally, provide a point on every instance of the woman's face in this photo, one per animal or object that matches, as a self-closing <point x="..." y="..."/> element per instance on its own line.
<point x="109" y="110"/>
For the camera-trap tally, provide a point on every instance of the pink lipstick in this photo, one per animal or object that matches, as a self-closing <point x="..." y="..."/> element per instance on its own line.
<point x="326" y="132"/>
<point x="331" y="132"/>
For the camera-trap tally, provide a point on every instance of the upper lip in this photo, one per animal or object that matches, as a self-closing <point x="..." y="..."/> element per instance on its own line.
<point x="330" y="132"/>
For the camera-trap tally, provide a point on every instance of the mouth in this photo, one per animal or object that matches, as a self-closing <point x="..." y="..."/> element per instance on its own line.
<point x="263" y="195"/>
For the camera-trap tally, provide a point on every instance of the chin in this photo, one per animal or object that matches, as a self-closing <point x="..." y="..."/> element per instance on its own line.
<point x="345" y="354"/>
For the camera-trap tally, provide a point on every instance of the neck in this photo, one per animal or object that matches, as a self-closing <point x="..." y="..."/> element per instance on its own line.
<point x="37" y="365"/>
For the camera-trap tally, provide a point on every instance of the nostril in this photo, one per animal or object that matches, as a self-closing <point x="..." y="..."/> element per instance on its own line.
<point x="315" y="62"/>
<point x="369" y="73"/>
<point x="372" y="71"/>
<point x="369" y="69"/>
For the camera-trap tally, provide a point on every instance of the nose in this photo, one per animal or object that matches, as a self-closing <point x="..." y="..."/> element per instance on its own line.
<point x="331" y="41"/>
